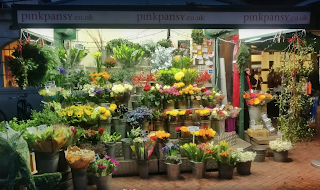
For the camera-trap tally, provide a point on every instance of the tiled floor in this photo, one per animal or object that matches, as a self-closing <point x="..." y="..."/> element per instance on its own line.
<point x="268" y="175"/>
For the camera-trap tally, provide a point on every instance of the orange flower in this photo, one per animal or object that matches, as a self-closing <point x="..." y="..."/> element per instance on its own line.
<point x="251" y="102"/>
<point x="246" y="96"/>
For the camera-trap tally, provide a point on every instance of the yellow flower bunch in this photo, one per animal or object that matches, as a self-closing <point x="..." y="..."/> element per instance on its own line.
<point x="179" y="84"/>
<point x="162" y="134"/>
<point x="203" y="112"/>
<point x="182" y="112"/>
<point x="187" y="145"/>
<point x="191" y="90"/>
<point x="178" y="76"/>
<point x="173" y="113"/>
<point x="205" y="133"/>
<point x="113" y="107"/>
<point x="184" y="129"/>
<point x="97" y="54"/>
<point x="42" y="92"/>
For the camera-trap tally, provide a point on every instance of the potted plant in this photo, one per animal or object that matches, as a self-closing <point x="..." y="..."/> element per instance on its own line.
<point x="203" y="78"/>
<point x="227" y="159"/>
<point x="127" y="142"/>
<point x="172" y="160"/>
<point x="204" y="135"/>
<point x="110" y="141"/>
<point x="159" y="120"/>
<point x="98" y="58"/>
<point x="118" y="121"/>
<point x="161" y="138"/>
<point x="182" y="101"/>
<point x="197" y="36"/>
<point x="161" y="58"/>
<point x="121" y="76"/>
<point x="139" y="82"/>
<point x="128" y="57"/>
<point x="143" y="147"/>
<point x="198" y="155"/>
<point x="244" y="161"/>
<point x="47" y="142"/>
<point x="204" y="116"/>
<point x="194" y="94"/>
<point x="172" y="117"/>
<point x="109" y="63"/>
<point x="152" y="97"/>
<point x="170" y="94"/>
<point x="139" y="118"/>
<point x="103" y="169"/>
<point x="121" y="93"/>
<point x="79" y="160"/>
<point x="233" y="113"/>
<point x="185" y="137"/>
<point x="280" y="149"/>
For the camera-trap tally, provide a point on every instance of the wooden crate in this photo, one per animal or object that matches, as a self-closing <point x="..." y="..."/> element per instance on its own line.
<point x="258" y="133"/>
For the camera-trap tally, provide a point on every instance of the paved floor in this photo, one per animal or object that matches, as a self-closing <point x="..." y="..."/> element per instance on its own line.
<point x="268" y="175"/>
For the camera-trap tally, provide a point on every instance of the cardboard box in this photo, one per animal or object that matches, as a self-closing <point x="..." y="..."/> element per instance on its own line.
<point x="258" y="133"/>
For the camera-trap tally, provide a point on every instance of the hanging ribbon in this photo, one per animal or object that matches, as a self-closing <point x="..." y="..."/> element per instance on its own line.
<point x="292" y="40"/>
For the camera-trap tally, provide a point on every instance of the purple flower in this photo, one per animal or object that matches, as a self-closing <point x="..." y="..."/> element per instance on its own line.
<point x="97" y="91"/>
<point x="107" y="157"/>
<point x="106" y="90"/>
<point x="62" y="70"/>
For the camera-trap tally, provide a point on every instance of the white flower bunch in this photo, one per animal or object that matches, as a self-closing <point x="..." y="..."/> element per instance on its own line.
<point x="280" y="145"/>
<point x="119" y="88"/>
<point x="245" y="156"/>
<point x="89" y="88"/>
<point x="161" y="58"/>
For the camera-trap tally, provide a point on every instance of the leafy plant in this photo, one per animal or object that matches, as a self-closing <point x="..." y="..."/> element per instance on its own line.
<point x="226" y="155"/>
<point x="108" y="138"/>
<point x="197" y="36"/>
<point x="181" y="62"/>
<point x="120" y="76"/>
<point x="129" y="57"/>
<point x="113" y="44"/>
<point x="71" y="59"/>
<point x="137" y="117"/>
<point x="166" y="43"/>
<point x="170" y="152"/>
<point x="197" y="153"/>
<point x="161" y="58"/>
<point x="103" y="167"/>
<point x="243" y="57"/>
<point x="134" y="133"/>
<point x="148" y="47"/>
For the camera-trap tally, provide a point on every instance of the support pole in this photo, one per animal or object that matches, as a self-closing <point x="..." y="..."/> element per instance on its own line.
<point x="241" y="115"/>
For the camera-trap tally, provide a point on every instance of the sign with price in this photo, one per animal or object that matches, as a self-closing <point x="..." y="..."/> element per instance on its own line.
<point x="193" y="128"/>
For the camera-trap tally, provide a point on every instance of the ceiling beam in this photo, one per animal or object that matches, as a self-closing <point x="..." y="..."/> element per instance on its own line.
<point x="307" y="2"/>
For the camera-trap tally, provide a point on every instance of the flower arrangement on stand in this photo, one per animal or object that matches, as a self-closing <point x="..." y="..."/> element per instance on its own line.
<point x="143" y="147"/>
<point x="102" y="169"/>
<point x="198" y="155"/>
<point x="280" y="149"/>
<point x="172" y="160"/>
<point x="169" y="76"/>
<point x="194" y="94"/>
<point x="244" y="161"/>
<point x="204" y="135"/>
<point x="255" y="100"/>
<point x="139" y="118"/>
<point x="227" y="159"/>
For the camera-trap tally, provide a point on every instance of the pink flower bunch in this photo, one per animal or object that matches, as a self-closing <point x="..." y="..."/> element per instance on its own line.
<point x="173" y="90"/>
<point x="102" y="166"/>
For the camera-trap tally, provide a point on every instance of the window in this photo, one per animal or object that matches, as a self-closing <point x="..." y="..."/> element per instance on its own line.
<point x="8" y="80"/>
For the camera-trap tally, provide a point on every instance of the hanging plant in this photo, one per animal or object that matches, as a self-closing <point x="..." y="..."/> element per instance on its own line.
<point x="30" y="63"/>
<point x="295" y="105"/>
<point x="243" y="57"/>
<point x="197" y="36"/>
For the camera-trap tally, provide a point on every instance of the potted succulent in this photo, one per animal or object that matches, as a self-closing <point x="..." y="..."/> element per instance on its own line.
<point x="280" y="149"/>
<point x="198" y="155"/>
<point x="227" y="159"/>
<point x="79" y="160"/>
<point x="172" y="160"/>
<point x="143" y="147"/>
<point x="110" y="141"/>
<point x="197" y="36"/>
<point x="103" y="169"/>
<point x="244" y="161"/>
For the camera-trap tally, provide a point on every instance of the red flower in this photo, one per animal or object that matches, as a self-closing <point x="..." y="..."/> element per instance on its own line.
<point x="209" y="151"/>
<point x="101" y="130"/>
<point x="205" y="127"/>
<point x="147" y="88"/>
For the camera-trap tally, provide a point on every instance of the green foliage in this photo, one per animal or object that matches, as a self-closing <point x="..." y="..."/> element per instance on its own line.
<point x="45" y="117"/>
<point x="182" y="62"/>
<point x="197" y="36"/>
<point x="128" y="57"/>
<point x="78" y="77"/>
<point x="164" y="43"/>
<point x="243" y="57"/>
<point x="72" y="58"/>
<point x="16" y="125"/>
<point x="294" y="104"/>
<point x="113" y="44"/>
<point x="121" y="75"/>
<point x="134" y="133"/>
<point x="47" y="181"/>
<point x="108" y="138"/>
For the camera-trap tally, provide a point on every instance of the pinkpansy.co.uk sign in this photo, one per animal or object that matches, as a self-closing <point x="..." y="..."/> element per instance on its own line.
<point x="160" y="17"/>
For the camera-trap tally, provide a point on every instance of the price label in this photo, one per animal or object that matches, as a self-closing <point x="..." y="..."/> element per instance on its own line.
<point x="79" y="46"/>
<point x="193" y="128"/>
<point x="144" y="133"/>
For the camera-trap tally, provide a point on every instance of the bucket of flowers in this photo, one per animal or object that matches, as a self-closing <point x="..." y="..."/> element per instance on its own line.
<point x="140" y="117"/>
<point x="161" y="138"/>
<point x="218" y="117"/>
<point x="244" y="161"/>
<point x="204" y="135"/>
<point x="172" y="160"/>
<point x="121" y="93"/>
<point x="159" y="117"/>
<point x="227" y="159"/>
<point x="280" y="149"/>
<point x="204" y="116"/>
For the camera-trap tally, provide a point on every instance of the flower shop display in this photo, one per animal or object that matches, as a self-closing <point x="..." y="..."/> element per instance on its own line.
<point x="152" y="97"/>
<point x="244" y="161"/>
<point x="172" y="117"/>
<point x="204" y="135"/>
<point x="159" y="120"/>
<point x="53" y="93"/>
<point x="198" y="154"/>
<point x="280" y="149"/>
<point x="169" y="76"/>
<point x="127" y="56"/>
<point x="139" y="118"/>
<point x="194" y="94"/>
<point x="110" y="141"/>
<point x="204" y="116"/>
<point x="227" y="159"/>
<point x="186" y="116"/>
<point x="79" y="160"/>
<point x="46" y="142"/>
<point x="99" y="78"/>
<point x="161" y="138"/>
<point x="121" y="93"/>
<point x="102" y="170"/>
<point x="120" y="76"/>
<point x="172" y="160"/>
<point x="127" y="142"/>
<point x="143" y="147"/>
<point x="170" y="94"/>
<point x="255" y="100"/>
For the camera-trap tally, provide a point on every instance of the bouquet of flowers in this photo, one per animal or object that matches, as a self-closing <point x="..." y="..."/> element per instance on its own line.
<point x="172" y="115"/>
<point x="204" y="135"/>
<point x="233" y="112"/>
<point x="89" y="136"/>
<point x="161" y="136"/>
<point x="245" y="156"/>
<point x="226" y="155"/>
<point x="158" y="115"/>
<point x="197" y="153"/>
<point x="170" y="93"/>
<point x="152" y="94"/>
<point x="203" y="78"/>
<point x="143" y="147"/>
<point x="181" y="62"/>
<point x="121" y="88"/>
<point x="53" y="93"/>
<point x="137" y="117"/>
<point x="280" y="145"/>
<point x="170" y="76"/>
<point x="184" y="132"/>
<point x="203" y="113"/>
<point x="79" y="158"/>
<point x="254" y="98"/>
<point x="193" y="91"/>
<point x="120" y="110"/>
<point x="170" y="152"/>
<point x="103" y="167"/>
<point x="190" y="76"/>
<point x="219" y="114"/>
<point x="109" y="63"/>
<point x="99" y="78"/>
<point x="134" y="133"/>
<point x="186" y="114"/>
